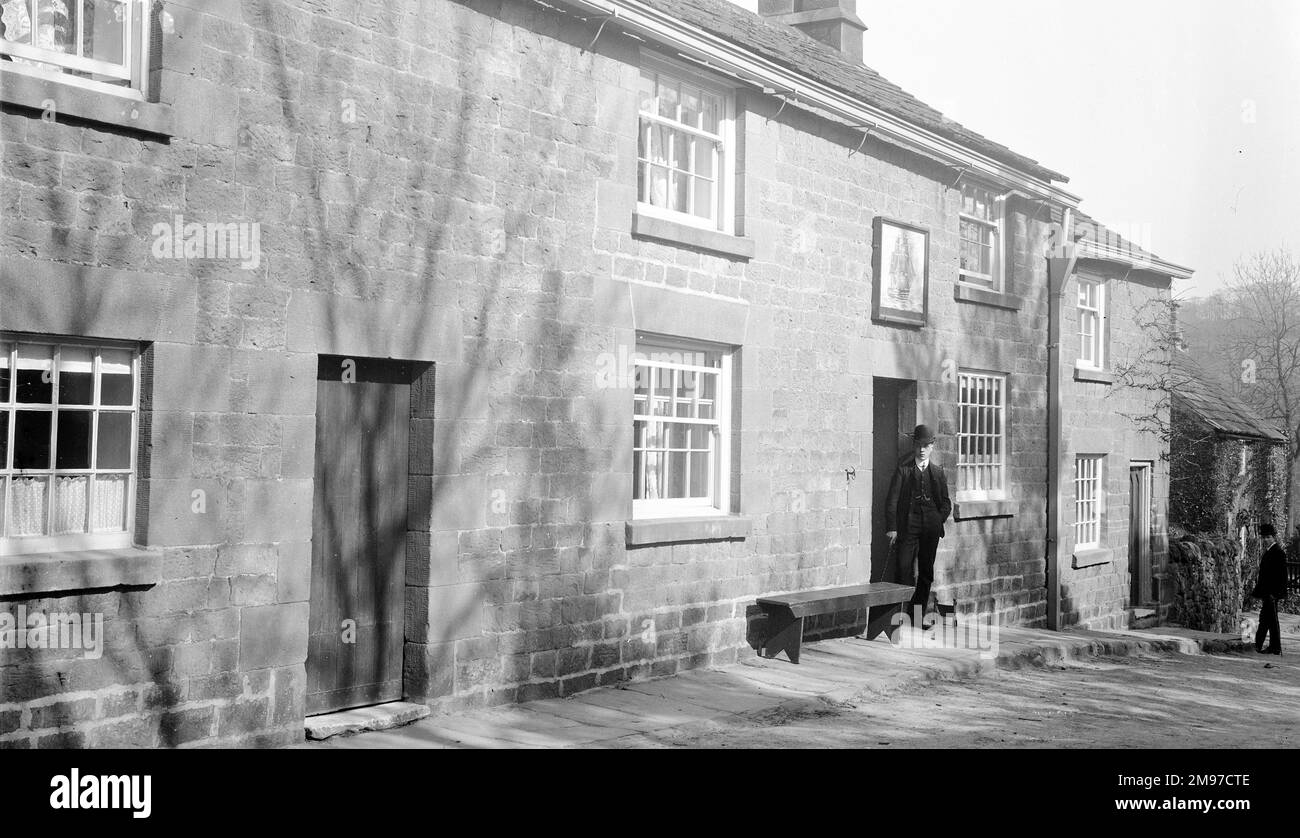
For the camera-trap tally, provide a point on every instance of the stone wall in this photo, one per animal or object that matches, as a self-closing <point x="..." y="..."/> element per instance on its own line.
<point x="1104" y="415"/>
<point x="463" y="194"/>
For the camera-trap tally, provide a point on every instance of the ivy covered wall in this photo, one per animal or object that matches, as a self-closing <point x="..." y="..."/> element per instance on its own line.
<point x="1208" y="491"/>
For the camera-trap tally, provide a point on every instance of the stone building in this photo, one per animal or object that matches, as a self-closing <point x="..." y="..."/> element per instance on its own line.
<point x="1228" y="465"/>
<point x="346" y="358"/>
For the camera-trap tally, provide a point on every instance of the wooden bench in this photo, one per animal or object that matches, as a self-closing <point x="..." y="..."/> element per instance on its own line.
<point x="785" y="612"/>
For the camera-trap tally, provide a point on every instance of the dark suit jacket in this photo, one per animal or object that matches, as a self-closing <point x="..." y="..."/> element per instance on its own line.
<point x="902" y="487"/>
<point x="1272" y="573"/>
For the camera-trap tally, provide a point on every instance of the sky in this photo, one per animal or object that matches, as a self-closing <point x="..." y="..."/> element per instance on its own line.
<point x="1177" y="123"/>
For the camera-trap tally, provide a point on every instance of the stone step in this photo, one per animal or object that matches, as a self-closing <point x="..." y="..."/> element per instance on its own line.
<point x="1142" y="618"/>
<point x="379" y="717"/>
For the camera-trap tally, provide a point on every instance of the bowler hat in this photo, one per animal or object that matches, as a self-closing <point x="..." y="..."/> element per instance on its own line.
<point x="922" y="435"/>
<point x="1267" y="529"/>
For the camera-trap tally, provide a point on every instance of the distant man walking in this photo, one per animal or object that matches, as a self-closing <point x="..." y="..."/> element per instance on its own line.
<point x="916" y="509"/>
<point x="1270" y="587"/>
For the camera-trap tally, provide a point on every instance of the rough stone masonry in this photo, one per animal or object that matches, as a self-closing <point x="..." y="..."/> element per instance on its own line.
<point x="462" y="195"/>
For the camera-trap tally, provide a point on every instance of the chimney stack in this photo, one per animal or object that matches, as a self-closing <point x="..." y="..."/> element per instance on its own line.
<point x="833" y="22"/>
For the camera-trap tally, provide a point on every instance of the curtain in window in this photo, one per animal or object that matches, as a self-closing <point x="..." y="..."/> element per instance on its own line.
<point x="70" y="504"/>
<point x="110" y="502"/>
<point x="55" y="27"/>
<point x="28" y="506"/>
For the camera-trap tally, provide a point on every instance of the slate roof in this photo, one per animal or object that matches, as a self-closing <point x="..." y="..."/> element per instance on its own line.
<point x="1197" y="392"/>
<point x="794" y="50"/>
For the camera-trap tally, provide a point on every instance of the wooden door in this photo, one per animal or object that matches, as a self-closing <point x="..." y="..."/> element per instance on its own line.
<point x="1139" y="534"/>
<point x="354" y="656"/>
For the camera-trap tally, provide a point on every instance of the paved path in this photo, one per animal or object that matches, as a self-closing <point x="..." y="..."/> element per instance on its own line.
<point x="833" y="672"/>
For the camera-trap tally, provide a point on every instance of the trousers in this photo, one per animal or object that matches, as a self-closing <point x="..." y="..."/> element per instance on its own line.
<point x="919" y="547"/>
<point x="1268" y="626"/>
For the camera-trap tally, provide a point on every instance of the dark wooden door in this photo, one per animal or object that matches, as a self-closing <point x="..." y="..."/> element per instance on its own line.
<point x="354" y="655"/>
<point x="1139" y="535"/>
<point x="893" y="416"/>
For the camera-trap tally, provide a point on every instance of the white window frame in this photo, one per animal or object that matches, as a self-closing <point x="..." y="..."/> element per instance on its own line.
<point x="973" y="434"/>
<point x="134" y="69"/>
<point x="1094" y="316"/>
<point x="102" y="540"/>
<point x="658" y="352"/>
<point x="725" y="160"/>
<point x="995" y="225"/>
<point x="1089" y="501"/>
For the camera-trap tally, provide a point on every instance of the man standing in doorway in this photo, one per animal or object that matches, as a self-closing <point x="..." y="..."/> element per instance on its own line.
<point x="915" y="512"/>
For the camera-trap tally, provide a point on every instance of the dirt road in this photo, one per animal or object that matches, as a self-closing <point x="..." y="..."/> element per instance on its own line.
<point x="1151" y="701"/>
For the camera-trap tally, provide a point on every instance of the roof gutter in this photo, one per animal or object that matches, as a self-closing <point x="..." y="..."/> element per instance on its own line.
<point x="730" y="59"/>
<point x="1089" y="249"/>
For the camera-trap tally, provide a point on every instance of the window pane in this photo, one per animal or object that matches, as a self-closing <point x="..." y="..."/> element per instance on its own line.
<point x="31" y="440"/>
<point x="116" y="381"/>
<point x="638" y="476"/>
<point x="70" y="504"/>
<point x="667" y="98"/>
<point x="658" y="186"/>
<point x="654" y="476"/>
<point x="56" y="25"/>
<point x="646" y="91"/>
<point x="35" y="373"/>
<point x="74" y="440"/>
<point x="679" y="437"/>
<point x="704" y="158"/>
<point x="76" y="375"/>
<point x="703" y="198"/>
<point x="676" y="475"/>
<point x="4" y="373"/>
<point x="114" y="445"/>
<point x="660" y="139"/>
<point x="712" y="110"/>
<point x="27" y="506"/>
<point x="4" y="443"/>
<point x="709" y="383"/>
<point x="690" y="106"/>
<point x="682" y="144"/>
<point x="680" y="186"/>
<point x="687" y="381"/>
<point x="105" y="25"/>
<point x="16" y="23"/>
<point x="109" y="512"/>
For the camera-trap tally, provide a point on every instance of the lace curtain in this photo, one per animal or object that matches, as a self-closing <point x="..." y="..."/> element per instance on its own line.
<point x="28" y="505"/>
<point x="54" y="27"/>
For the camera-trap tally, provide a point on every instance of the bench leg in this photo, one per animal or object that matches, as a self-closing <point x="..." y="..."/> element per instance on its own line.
<point x="785" y="631"/>
<point x="883" y="619"/>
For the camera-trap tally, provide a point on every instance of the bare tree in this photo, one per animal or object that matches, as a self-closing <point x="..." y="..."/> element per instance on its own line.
<point x="1149" y="365"/>
<point x="1262" y="307"/>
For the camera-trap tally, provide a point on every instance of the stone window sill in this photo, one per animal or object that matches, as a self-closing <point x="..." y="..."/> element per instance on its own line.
<point x="963" y="293"/>
<point x="39" y="573"/>
<point x="93" y="106"/>
<point x="661" y="229"/>
<point x="1096" y="556"/>
<point x="1092" y="374"/>
<point x="670" y="530"/>
<point x="965" y="510"/>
